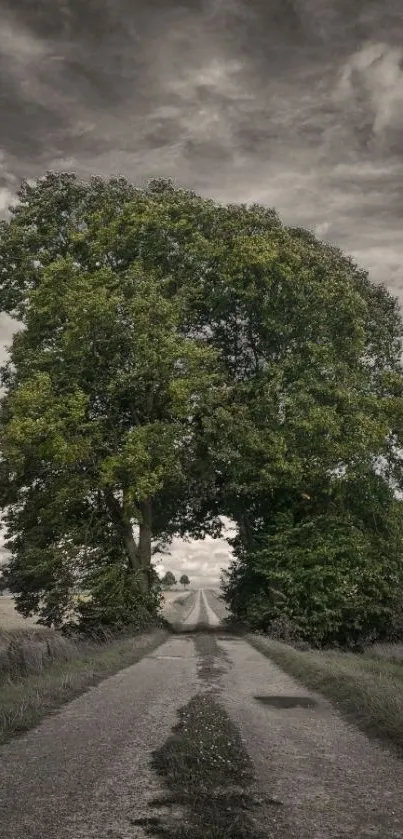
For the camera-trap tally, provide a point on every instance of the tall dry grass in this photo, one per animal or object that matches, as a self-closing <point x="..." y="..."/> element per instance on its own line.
<point x="387" y="652"/>
<point x="27" y="652"/>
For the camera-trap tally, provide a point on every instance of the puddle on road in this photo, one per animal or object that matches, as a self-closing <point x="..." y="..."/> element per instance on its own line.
<point x="213" y="662"/>
<point x="285" y="702"/>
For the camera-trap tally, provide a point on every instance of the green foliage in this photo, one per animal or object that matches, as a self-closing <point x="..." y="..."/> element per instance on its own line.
<point x="184" y="580"/>
<point x="102" y="387"/>
<point x="330" y="575"/>
<point x="116" y="603"/>
<point x="181" y="360"/>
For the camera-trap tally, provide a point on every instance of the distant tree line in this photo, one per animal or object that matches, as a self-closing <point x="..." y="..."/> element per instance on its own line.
<point x="169" y="580"/>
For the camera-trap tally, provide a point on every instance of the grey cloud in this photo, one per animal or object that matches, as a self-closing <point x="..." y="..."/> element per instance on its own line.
<point x="8" y="327"/>
<point x="6" y="198"/>
<point x="375" y="71"/>
<point x="202" y="561"/>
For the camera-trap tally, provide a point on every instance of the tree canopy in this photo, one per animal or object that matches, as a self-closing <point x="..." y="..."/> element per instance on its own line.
<point x="168" y="579"/>
<point x="182" y="359"/>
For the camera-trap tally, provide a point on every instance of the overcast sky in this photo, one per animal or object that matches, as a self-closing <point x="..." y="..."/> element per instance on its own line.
<point x="297" y="104"/>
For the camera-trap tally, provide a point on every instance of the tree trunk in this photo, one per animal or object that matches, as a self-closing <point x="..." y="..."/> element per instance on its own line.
<point x="244" y="531"/>
<point x="125" y="531"/>
<point x="145" y="537"/>
<point x="131" y="547"/>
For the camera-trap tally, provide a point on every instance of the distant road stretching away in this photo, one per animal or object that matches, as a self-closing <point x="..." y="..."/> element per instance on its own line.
<point x="202" y="612"/>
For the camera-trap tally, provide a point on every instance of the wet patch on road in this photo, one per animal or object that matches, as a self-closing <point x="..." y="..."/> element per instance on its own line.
<point x="212" y="660"/>
<point x="287" y="701"/>
<point x="209" y="779"/>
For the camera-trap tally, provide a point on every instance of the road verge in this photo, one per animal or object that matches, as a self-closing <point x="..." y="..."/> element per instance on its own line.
<point x="31" y="689"/>
<point x="366" y="690"/>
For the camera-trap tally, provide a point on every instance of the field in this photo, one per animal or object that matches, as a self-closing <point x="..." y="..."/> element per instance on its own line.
<point x="170" y="596"/>
<point x="10" y="619"/>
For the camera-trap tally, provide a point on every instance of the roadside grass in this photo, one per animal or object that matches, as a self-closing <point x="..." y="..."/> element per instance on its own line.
<point x="366" y="689"/>
<point x="391" y="652"/>
<point x="41" y="670"/>
<point x="29" y="651"/>
<point x="208" y="776"/>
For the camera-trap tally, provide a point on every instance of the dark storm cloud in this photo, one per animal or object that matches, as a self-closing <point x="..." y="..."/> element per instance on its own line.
<point x="294" y="103"/>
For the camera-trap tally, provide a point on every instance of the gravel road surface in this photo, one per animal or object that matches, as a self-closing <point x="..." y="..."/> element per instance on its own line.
<point x="85" y="772"/>
<point x="194" y="617"/>
<point x="202" y="612"/>
<point x="329" y="779"/>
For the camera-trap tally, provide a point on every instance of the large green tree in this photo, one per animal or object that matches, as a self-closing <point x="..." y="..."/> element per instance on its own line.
<point x="102" y="391"/>
<point x="292" y="374"/>
<point x="325" y="569"/>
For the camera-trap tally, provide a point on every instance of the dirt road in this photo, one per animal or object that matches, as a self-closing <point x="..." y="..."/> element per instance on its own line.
<point x="202" y="613"/>
<point x="86" y="772"/>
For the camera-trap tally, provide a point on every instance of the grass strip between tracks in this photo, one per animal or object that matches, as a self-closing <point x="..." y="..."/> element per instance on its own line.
<point x="208" y="777"/>
<point x="25" y="701"/>
<point x="366" y="690"/>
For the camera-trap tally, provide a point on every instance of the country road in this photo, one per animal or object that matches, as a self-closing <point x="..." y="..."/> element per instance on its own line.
<point x="202" y="613"/>
<point x="86" y="771"/>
